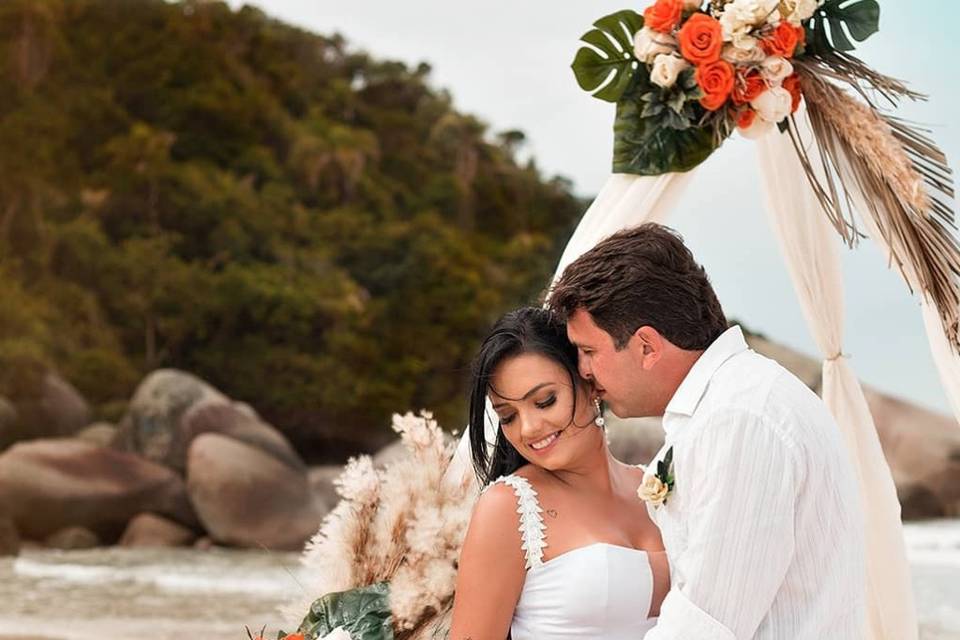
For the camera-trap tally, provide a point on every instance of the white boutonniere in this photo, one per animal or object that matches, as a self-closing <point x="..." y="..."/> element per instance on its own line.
<point x="656" y="487"/>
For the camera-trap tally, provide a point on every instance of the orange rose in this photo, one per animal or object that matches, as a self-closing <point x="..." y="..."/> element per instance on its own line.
<point x="701" y="39"/>
<point x="745" y="118"/>
<point x="783" y="40"/>
<point x="747" y="86"/>
<point x="792" y="84"/>
<point x="716" y="81"/>
<point x="663" y="15"/>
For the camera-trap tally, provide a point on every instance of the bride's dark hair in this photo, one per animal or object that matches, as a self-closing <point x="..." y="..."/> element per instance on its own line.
<point x="525" y="330"/>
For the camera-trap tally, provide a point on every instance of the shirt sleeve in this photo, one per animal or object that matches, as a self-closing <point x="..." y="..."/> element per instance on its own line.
<point x="742" y="479"/>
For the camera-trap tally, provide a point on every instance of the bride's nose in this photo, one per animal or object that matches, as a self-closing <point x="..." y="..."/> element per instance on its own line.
<point x="531" y="427"/>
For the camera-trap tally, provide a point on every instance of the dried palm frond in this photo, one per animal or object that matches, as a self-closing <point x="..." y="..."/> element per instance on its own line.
<point x="851" y="70"/>
<point x="904" y="181"/>
<point x="402" y="524"/>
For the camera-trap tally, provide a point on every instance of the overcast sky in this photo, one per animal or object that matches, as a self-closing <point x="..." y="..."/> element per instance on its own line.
<point x="508" y="63"/>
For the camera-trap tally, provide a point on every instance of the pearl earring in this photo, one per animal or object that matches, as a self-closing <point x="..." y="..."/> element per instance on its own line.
<point x="599" y="421"/>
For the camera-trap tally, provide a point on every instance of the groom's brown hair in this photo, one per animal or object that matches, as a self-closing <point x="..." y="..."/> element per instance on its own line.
<point x="639" y="277"/>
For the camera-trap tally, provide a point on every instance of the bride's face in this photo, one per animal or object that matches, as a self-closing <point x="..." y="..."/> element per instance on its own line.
<point x="534" y="400"/>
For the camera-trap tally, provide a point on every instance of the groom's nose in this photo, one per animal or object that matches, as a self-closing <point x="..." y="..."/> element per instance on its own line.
<point x="583" y="364"/>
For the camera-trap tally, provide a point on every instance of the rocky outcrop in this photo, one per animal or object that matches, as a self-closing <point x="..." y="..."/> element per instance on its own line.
<point x="48" y="485"/>
<point x="151" y="530"/>
<point x="246" y="497"/>
<point x="170" y="408"/>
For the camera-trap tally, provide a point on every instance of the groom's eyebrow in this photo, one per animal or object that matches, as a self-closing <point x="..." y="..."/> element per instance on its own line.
<point x="525" y="396"/>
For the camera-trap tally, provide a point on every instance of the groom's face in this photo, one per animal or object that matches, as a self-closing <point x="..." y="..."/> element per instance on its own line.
<point x="617" y="374"/>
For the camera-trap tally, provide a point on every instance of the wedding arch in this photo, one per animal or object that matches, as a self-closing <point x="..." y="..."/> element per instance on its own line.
<point x="684" y="77"/>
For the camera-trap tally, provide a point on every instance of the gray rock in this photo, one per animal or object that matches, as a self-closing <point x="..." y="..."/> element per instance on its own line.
<point x="170" y="408"/>
<point x="48" y="485"/>
<point x="247" y="498"/>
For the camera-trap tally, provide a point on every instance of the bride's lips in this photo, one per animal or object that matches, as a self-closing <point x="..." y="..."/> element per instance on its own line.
<point x="556" y="437"/>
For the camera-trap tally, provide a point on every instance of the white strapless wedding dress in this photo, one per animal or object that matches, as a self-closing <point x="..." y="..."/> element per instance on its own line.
<point x="600" y="591"/>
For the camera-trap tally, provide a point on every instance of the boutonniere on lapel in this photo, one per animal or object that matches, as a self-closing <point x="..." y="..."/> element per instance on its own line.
<point x="656" y="487"/>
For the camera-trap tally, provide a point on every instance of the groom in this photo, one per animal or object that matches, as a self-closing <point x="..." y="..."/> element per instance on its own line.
<point x="762" y="521"/>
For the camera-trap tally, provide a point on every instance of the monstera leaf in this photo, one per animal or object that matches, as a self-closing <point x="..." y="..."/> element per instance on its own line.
<point x="363" y="612"/>
<point x="611" y="50"/>
<point x="643" y="146"/>
<point x="861" y="18"/>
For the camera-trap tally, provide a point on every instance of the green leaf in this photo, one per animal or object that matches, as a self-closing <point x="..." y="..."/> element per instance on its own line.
<point x="861" y="18"/>
<point x="606" y="68"/>
<point x="364" y="612"/>
<point x="840" y="41"/>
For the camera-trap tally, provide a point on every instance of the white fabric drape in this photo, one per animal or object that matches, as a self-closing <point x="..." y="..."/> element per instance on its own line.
<point x="625" y="201"/>
<point x="810" y="247"/>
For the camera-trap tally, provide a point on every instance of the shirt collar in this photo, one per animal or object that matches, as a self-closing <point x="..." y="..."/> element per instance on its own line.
<point x="694" y="385"/>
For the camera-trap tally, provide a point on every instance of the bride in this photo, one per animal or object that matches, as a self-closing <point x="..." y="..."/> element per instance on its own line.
<point x="558" y="545"/>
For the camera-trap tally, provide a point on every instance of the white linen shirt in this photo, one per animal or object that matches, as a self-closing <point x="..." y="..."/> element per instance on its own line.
<point x="763" y="527"/>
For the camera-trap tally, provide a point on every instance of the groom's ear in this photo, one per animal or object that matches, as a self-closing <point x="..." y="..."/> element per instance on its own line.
<point x="648" y="345"/>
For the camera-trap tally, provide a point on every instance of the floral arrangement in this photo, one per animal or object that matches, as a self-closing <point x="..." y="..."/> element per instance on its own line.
<point x="384" y="562"/>
<point x="686" y="74"/>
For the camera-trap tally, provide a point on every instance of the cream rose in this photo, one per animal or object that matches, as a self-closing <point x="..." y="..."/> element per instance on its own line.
<point x="796" y="11"/>
<point x="773" y="105"/>
<point x="737" y="56"/>
<point x="666" y="68"/>
<point x="774" y="69"/>
<point x="337" y="634"/>
<point x="652" y="490"/>
<point x="757" y="129"/>
<point x="648" y="44"/>
<point x="741" y="16"/>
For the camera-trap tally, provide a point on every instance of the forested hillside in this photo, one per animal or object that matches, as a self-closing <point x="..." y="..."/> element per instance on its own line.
<point x="313" y="230"/>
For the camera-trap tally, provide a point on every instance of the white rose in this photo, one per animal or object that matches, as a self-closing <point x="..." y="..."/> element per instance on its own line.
<point x="757" y="129"/>
<point x="652" y="490"/>
<point x="737" y="56"/>
<point x="648" y="44"/>
<point x="337" y="634"/>
<point x="775" y="69"/>
<point x="773" y="105"/>
<point x="666" y="68"/>
<point x="741" y="16"/>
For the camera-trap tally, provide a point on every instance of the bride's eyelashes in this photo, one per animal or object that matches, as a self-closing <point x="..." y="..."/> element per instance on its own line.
<point x="546" y="403"/>
<point x="543" y="404"/>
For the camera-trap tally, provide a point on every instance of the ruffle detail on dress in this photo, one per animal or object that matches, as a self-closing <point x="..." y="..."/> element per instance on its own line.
<point x="532" y="528"/>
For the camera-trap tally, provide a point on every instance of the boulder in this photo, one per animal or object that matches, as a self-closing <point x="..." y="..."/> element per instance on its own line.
<point x="923" y="450"/>
<point x="71" y="538"/>
<point x="236" y="420"/>
<point x="321" y="485"/>
<point x="170" y="408"/>
<point x="100" y="433"/>
<point x="153" y="414"/>
<point x="43" y="408"/>
<point x="9" y="538"/>
<point x="48" y="485"/>
<point x="151" y="530"/>
<point x="248" y="498"/>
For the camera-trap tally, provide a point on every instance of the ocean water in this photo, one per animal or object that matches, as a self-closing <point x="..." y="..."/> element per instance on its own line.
<point x="167" y="594"/>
